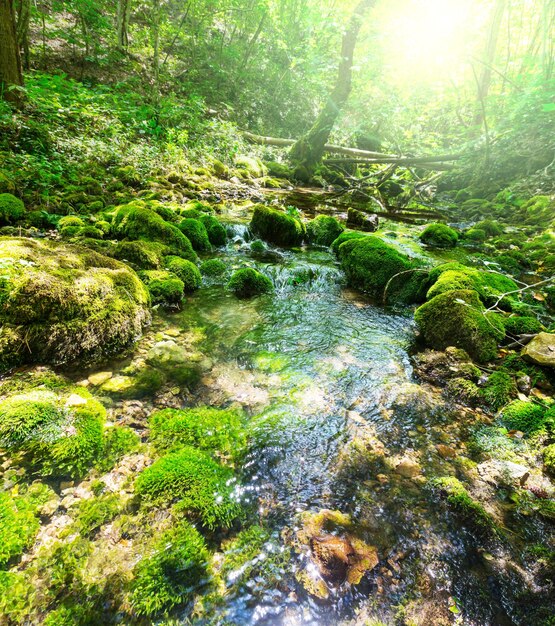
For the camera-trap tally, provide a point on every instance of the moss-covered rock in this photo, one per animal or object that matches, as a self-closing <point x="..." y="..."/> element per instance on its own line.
<point x="137" y="221"/>
<point x="527" y="417"/>
<point x="369" y="264"/>
<point x="186" y="271"/>
<point x="195" y="231"/>
<point x="323" y="230"/>
<point x="463" y="390"/>
<point x="213" y="268"/>
<point x="458" y="318"/>
<point x="60" y="303"/>
<point x="251" y="166"/>
<point x="476" y="235"/>
<point x="164" y="287"/>
<point x="59" y="433"/>
<point x="525" y="325"/>
<point x="276" y="226"/>
<point x="499" y="389"/>
<point x="216" y="232"/>
<point x="247" y="282"/>
<point x="176" y="568"/>
<point x="368" y="222"/>
<point x="142" y="255"/>
<point x="202" y="487"/>
<point x="216" y="430"/>
<point x="490" y="227"/>
<point x="346" y="236"/>
<point x="439" y="236"/>
<point x="11" y="209"/>
<point x="549" y="458"/>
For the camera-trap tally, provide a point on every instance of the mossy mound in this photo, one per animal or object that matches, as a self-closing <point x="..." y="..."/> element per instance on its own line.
<point x="525" y="325"/>
<point x="57" y="433"/>
<point x="213" y="268"/>
<point x="136" y="221"/>
<point x="439" y="236"/>
<point x="527" y="417"/>
<point x="195" y="231"/>
<point x="458" y="318"/>
<point x="164" y="287"/>
<point x="142" y="255"/>
<point x="186" y="271"/>
<point x="216" y="430"/>
<point x="476" y="235"/>
<point x="490" y="227"/>
<point x="346" y="235"/>
<point x="323" y="230"/>
<point x="549" y="458"/>
<point x="202" y="487"/>
<point x="60" y="302"/>
<point x="19" y="521"/>
<point x="276" y="226"/>
<point x="499" y="389"/>
<point x="176" y="568"/>
<point x="369" y="264"/>
<point x="216" y="232"/>
<point x="248" y="282"/>
<point x="489" y="285"/>
<point x="11" y="209"/>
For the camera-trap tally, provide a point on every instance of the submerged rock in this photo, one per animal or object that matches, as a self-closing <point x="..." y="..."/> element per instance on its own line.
<point x="541" y="350"/>
<point x="63" y="302"/>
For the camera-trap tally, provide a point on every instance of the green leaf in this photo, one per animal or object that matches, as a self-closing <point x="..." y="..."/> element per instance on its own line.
<point x="548" y="107"/>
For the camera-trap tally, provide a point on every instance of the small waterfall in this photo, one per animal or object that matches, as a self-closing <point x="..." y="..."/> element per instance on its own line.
<point x="238" y="233"/>
<point x="311" y="278"/>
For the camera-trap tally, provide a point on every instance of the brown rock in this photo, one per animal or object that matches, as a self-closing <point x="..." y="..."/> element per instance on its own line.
<point x="446" y="452"/>
<point x="408" y="468"/>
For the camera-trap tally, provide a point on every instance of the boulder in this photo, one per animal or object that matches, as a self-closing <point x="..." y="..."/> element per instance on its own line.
<point x="368" y="222"/>
<point x="541" y="350"/>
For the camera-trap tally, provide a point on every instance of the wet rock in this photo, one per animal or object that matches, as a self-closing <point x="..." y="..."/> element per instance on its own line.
<point x="440" y="366"/>
<point x="541" y="350"/>
<point x="524" y="384"/>
<point x="498" y="472"/>
<point x="446" y="452"/>
<point x="99" y="378"/>
<point x="407" y="468"/>
<point x="165" y="353"/>
<point x="368" y="222"/>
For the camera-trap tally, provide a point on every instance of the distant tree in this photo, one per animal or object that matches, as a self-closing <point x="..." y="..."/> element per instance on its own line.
<point x="122" y="23"/>
<point x="307" y="152"/>
<point x="10" y="62"/>
<point x="23" y="14"/>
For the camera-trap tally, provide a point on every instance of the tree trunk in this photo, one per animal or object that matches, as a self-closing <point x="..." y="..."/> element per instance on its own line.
<point x="23" y="10"/>
<point x="484" y="80"/>
<point x="10" y="63"/>
<point x="307" y="152"/>
<point x="122" y="23"/>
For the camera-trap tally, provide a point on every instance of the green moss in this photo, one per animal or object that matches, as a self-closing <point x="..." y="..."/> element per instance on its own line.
<point x="439" y="236"/>
<point x="458" y="318"/>
<point x="195" y="231"/>
<point x="11" y="209"/>
<point x="176" y="569"/>
<point x="476" y="234"/>
<point x="137" y="221"/>
<point x="192" y="478"/>
<point x="522" y="325"/>
<point x="276" y="226"/>
<point x="490" y="227"/>
<point x="525" y="416"/>
<point x="538" y="210"/>
<point x="464" y="391"/>
<point x="369" y="264"/>
<point x="95" y="512"/>
<point x="251" y="165"/>
<point x="323" y="230"/>
<point x="143" y="255"/>
<point x="60" y="434"/>
<point x="346" y="235"/>
<point x="118" y="442"/>
<point x="280" y="170"/>
<point x="71" y="220"/>
<point x="90" y="232"/>
<point x="258" y="246"/>
<point x="216" y="232"/>
<point x="186" y="271"/>
<point x="248" y="282"/>
<point x="213" y="268"/>
<point x="499" y="389"/>
<point x="549" y="458"/>
<point x="140" y="384"/>
<point x="70" y="302"/>
<point x="164" y="287"/>
<point x="515" y="365"/>
<point x="462" y="504"/>
<point x="19" y="521"/>
<point x="217" y="430"/>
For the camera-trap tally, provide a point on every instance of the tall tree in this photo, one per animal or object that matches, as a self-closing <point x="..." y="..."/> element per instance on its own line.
<point x="122" y="23"/>
<point x="10" y="62"/>
<point x="307" y="152"/>
<point x="23" y="13"/>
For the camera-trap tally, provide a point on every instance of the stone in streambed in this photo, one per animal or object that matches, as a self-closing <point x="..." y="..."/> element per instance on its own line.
<point x="541" y="350"/>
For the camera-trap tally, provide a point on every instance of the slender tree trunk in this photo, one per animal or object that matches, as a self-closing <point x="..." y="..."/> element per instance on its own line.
<point x="23" y="8"/>
<point x="484" y="80"/>
<point x="122" y="23"/>
<point x="307" y="152"/>
<point x="10" y="62"/>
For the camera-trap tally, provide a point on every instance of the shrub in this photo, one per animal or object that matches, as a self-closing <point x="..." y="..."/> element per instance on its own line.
<point x="439" y="236"/>
<point x="202" y="487"/>
<point x="499" y="389"/>
<point x="216" y="232"/>
<point x="248" y="282"/>
<point x="186" y="271"/>
<point x="369" y="263"/>
<point x="323" y="230"/>
<point x="195" y="231"/>
<point x="217" y="430"/>
<point x="525" y="416"/>
<point x="213" y="267"/>
<point x="458" y="318"/>
<point x="346" y="235"/>
<point x="169" y="577"/>
<point x="164" y="287"/>
<point x="11" y="209"/>
<point x="276" y="226"/>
